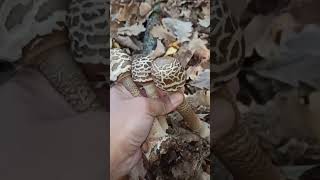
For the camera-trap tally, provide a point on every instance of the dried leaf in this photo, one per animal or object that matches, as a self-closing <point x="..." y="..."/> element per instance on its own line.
<point x="193" y="72"/>
<point x="199" y="49"/>
<point x="144" y="9"/>
<point x="200" y="98"/>
<point x="254" y="30"/>
<point x="159" y="51"/>
<point x="126" y="41"/>
<point x="205" y="22"/>
<point x="133" y="30"/>
<point x="184" y="55"/>
<point x="182" y="29"/>
<point x="305" y="12"/>
<point x="185" y="13"/>
<point x="162" y="33"/>
<point x="202" y="81"/>
<point x="265" y="33"/>
<point x="299" y="62"/>
<point x="171" y="51"/>
<point x="127" y="12"/>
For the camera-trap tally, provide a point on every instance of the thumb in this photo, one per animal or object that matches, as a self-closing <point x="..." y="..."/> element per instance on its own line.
<point x="158" y="107"/>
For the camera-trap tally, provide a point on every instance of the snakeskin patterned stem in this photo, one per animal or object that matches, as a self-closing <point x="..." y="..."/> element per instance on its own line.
<point x="128" y="83"/>
<point x="191" y="119"/>
<point x="67" y="78"/>
<point x="51" y="57"/>
<point x="240" y="153"/>
<point x="239" y="149"/>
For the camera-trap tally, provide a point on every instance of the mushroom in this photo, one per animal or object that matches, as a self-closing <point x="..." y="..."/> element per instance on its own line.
<point x="169" y="75"/>
<point x="141" y="73"/>
<point x="50" y="55"/>
<point x="120" y="67"/>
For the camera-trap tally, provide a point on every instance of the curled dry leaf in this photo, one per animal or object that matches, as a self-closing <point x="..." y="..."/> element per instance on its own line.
<point x="202" y="81"/>
<point x="205" y="22"/>
<point x="199" y="49"/>
<point x="200" y="98"/>
<point x="133" y="30"/>
<point x="159" y="51"/>
<point x="144" y="8"/>
<point x="126" y="41"/>
<point x="182" y="29"/>
<point x="127" y="12"/>
<point x="265" y="33"/>
<point x="171" y="51"/>
<point x="186" y="13"/>
<point x="305" y="11"/>
<point x="254" y="30"/>
<point x="162" y="33"/>
<point x="193" y="72"/>
<point x="184" y="55"/>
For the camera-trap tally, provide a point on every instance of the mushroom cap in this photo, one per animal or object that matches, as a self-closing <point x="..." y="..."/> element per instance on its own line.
<point x="120" y="62"/>
<point x="141" y="68"/>
<point x="168" y="74"/>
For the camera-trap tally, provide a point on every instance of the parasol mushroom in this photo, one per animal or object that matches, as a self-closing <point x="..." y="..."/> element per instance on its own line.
<point x="120" y="67"/>
<point x="169" y="75"/>
<point x="141" y="73"/>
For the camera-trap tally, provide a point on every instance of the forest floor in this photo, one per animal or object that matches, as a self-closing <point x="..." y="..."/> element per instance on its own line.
<point x="280" y="80"/>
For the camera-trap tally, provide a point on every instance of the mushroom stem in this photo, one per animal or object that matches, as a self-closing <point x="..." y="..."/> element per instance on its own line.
<point x="169" y="75"/>
<point x="191" y="119"/>
<point x="51" y="57"/>
<point x="126" y="80"/>
<point x="151" y="91"/>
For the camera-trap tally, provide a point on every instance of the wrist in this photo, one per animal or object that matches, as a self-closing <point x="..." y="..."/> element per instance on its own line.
<point x="117" y="157"/>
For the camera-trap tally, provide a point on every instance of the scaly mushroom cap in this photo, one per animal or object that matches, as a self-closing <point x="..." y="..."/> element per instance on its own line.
<point x="120" y="62"/>
<point x="141" y="68"/>
<point x="168" y="74"/>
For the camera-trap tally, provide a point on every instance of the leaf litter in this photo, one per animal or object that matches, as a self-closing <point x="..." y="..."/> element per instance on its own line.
<point x="279" y="96"/>
<point x="178" y="35"/>
<point x="282" y="53"/>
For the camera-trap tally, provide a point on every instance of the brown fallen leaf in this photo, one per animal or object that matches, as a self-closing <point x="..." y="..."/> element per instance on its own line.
<point x="171" y="51"/>
<point x="198" y="46"/>
<point x="254" y="30"/>
<point x="205" y="22"/>
<point x="184" y="55"/>
<point x="202" y="81"/>
<point x="144" y="8"/>
<point x="126" y="13"/>
<point x="182" y="29"/>
<point x="126" y="41"/>
<point x="305" y="11"/>
<point x="193" y="72"/>
<point x="159" y="51"/>
<point x="133" y="30"/>
<point x="200" y="98"/>
<point x="162" y="33"/>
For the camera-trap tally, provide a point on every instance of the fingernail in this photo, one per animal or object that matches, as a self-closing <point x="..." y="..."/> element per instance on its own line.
<point x="176" y="99"/>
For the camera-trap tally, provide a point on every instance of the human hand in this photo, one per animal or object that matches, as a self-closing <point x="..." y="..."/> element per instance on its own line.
<point x="131" y="119"/>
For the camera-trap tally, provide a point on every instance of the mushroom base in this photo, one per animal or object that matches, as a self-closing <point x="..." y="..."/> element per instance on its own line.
<point x="191" y="119"/>
<point x="184" y="155"/>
